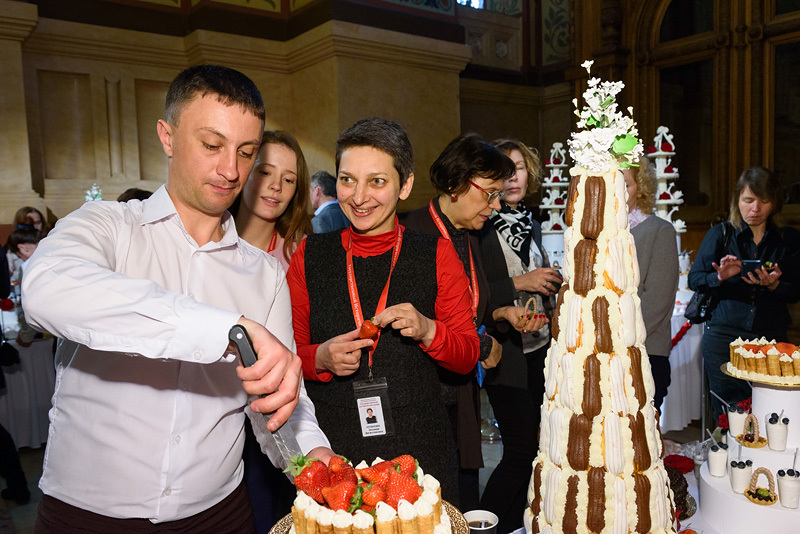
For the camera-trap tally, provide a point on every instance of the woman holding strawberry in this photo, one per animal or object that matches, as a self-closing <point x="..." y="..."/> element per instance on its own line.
<point x="414" y="289"/>
<point x="470" y="175"/>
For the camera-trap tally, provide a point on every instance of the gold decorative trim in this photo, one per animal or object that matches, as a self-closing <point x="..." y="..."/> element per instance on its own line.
<point x="17" y="20"/>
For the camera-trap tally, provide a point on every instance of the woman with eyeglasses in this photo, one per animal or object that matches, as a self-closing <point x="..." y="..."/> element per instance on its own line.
<point x="469" y="176"/>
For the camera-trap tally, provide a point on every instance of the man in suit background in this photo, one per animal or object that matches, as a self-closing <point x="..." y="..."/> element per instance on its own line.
<point x="328" y="215"/>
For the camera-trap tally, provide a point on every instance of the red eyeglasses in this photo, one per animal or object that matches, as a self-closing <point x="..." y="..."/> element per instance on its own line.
<point x="490" y="197"/>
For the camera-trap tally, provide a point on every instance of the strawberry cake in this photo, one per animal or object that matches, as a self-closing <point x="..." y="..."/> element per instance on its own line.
<point x="386" y="497"/>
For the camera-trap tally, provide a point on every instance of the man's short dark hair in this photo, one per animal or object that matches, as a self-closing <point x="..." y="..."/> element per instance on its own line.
<point x="384" y="135"/>
<point x="466" y="157"/>
<point x="326" y="181"/>
<point x="230" y="86"/>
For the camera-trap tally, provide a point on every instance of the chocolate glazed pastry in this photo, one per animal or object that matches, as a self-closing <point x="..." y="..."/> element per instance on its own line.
<point x="602" y="331"/>
<point x="580" y="428"/>
<point x="641" y="485"/>
<point x="585" y="256"/>
<point x="592" y="397"/>
<point x="592" y="223"/>
<point x="572" y="196"/>
<point x="641" y="453"/>
<point x="554" y="328"/>
<point x="636" y="373"/>
<point x="570" y="524"/>
<point x="595" y="517"/>
<point x="536" y="504"/>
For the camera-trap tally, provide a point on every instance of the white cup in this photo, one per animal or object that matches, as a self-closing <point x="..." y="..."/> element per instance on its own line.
<point x="481" y="522"/>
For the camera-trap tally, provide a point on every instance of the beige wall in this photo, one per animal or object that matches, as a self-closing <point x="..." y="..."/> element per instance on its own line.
<point x="79" y="103"/>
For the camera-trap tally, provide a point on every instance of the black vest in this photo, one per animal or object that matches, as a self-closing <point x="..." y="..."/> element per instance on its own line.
<point x="420" y="419"/>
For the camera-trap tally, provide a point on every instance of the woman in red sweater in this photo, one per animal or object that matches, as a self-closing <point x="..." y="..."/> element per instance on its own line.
<point x="414" y="288"/>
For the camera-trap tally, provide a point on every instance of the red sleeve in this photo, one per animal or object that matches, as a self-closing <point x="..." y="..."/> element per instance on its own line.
<point x="301" y="309"/>
<point x="455" y="346"/>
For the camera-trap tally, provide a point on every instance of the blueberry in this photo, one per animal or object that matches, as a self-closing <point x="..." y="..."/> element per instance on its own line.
<point x="741" y="465"/>
<point x="731" y="409"/>
<point x="773" y="420"/>
<point x="749" y="463"/>
<point x="781" y="473"/>
<point x="785" y="421"/>
<point x="740" y="410"/>
<point x="733" y="463"/>
<point x="714" y="448"/>
<point x="790" y="472"/>
<point x="775" y="415"/>
<point x="723" y="446"/>
<point x="724" y="431"/>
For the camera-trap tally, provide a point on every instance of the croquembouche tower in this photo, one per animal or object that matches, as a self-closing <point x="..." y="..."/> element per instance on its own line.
<point x="598" y="469"/>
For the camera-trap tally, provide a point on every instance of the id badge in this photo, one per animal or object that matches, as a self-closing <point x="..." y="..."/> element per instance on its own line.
<point x="374" y="410"/>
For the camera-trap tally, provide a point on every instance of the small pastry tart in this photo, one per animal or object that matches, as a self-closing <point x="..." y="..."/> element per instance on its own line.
<point x="758" y="441"/>
<point x="762" y="496"/>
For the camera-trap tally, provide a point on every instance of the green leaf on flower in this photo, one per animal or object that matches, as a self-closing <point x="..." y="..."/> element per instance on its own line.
<point x="626" y="165"/>
<point x="624" y="143"/>
<point x="591" y="121"/>
<point x="607" y="102"/>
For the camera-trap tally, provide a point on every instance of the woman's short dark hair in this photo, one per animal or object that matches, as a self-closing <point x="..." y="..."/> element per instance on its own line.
<point x="231" y="87"/>
<point x="466" y="157"/>
<point x="764" y="185"/>
<point x="385" y="135"/>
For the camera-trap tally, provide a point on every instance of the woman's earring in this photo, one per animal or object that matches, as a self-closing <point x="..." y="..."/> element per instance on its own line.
<point x="454" y="198"/>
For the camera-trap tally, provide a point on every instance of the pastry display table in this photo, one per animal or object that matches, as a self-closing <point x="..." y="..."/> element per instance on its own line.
<point x="683" y="402"/>
<point x="27" y="398"/>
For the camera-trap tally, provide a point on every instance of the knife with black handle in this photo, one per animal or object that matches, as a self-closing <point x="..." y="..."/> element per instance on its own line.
<point x="284" y="436"/>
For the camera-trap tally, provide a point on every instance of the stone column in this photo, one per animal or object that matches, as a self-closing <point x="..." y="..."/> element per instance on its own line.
<point x="17" y="20"/>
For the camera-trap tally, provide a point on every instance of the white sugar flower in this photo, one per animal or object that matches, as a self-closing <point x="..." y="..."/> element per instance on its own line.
<point x="587" y="64"/>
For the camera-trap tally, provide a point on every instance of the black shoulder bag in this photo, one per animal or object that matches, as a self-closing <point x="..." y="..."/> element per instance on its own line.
<point x="703" y="302"/>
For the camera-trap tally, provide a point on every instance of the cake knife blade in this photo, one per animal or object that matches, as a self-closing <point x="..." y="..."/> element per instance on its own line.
<point x="284" y="437"/>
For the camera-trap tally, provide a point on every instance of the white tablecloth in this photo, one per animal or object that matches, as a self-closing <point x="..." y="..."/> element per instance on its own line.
<point x="29" y="389"/>
<point x="682" y="404"/>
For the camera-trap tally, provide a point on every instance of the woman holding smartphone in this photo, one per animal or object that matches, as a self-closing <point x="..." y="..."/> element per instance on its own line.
<point x="752" y="302"/>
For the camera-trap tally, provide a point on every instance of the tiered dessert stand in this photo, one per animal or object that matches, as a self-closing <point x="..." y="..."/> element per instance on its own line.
<point x="731" y="512"/>
<point x="554" y="200"/>
<point x="668" y="198"/>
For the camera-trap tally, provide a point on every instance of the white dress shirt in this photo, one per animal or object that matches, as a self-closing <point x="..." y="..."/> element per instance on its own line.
<point x="148" y="413"/>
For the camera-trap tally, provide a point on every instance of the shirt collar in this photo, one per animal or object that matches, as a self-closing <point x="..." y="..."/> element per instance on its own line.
<point x="323" y="206"/>
<point x="160" y="207"/>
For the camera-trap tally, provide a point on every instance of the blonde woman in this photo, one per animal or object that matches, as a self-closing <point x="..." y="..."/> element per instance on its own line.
<point x="657" y="251"/>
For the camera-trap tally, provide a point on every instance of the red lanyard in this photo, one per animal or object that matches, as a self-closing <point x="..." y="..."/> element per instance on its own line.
<point x="473" y="290"/>
<point x="273" y="241"/>
<point x="355" y="301"/>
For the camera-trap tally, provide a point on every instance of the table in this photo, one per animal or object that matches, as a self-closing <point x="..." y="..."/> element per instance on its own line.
<point x="683" y="403"/>
<point x="27" y="398"/>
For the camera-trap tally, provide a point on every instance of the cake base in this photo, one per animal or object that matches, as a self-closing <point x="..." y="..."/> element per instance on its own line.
<point x="733" y="513"/>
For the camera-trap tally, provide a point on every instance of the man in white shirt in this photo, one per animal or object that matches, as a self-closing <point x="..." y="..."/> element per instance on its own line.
<point x="328" y="215"/>
<point x="146" y="429"/>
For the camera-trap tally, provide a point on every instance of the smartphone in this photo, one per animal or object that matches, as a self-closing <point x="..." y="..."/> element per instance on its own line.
<point x="750" y="266"/>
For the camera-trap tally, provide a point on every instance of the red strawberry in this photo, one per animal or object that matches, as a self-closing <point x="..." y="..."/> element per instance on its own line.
<point x="407" y="463"/>
<point x="378" y="473"/>
<point x="651" y="149"/>
<point x="664" y="196"/>
<point x="338" y="497"/>
<point x="666" y="147"/>
<point x="559" y="201"/>
<point x="367" y="508"/>
<point x="547" y="161"/>
<point x="310" y="476"/>
<point x="669" y="169"/>
<point x="556" y="179"/>
<point x="557" y="226"/>
<point x="368" y="330"/>
<point x="372" y="493"/>
<point x="401" y="487"/>
<point x="556" y="161"/>
<point x="339" y="471"/>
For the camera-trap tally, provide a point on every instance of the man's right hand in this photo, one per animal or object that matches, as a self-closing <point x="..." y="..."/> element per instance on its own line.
<point x="341" y="355"/>
<point x="277" y="374"/>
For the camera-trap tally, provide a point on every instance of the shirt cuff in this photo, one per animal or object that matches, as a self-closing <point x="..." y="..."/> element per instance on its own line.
<point x="308" y="355"/>
<point x="486" y="346"/>
<point x="201" y="336"/>
<point x="438" y="338"/>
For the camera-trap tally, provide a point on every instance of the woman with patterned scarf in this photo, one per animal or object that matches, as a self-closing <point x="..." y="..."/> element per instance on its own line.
<point x="518" y="269"/>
